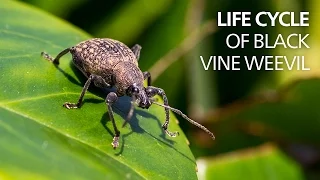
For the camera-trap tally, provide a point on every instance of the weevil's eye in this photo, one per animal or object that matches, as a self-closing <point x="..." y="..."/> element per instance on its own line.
<point x="135" y="90"/>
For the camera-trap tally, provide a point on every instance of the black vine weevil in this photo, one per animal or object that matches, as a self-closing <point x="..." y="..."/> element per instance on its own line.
<point x="108" y="63"/>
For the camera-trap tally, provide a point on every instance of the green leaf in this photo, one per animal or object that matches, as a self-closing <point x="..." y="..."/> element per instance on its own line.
<point x="265" y="162"/>
<point x="42" y="140"/>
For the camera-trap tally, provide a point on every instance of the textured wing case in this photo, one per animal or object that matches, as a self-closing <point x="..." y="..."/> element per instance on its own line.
<point x="99" y="56"/>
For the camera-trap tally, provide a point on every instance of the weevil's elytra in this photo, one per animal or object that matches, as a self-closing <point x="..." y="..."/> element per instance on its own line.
<point x="107" y="63"/>
<point x="110" y="59"/>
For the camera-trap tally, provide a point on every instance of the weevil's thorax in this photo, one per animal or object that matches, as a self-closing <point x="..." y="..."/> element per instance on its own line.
<point x="126" y="74"/>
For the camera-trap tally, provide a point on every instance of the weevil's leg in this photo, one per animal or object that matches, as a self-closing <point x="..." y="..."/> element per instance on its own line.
<point x="129" y="116"/>
<point x="112" y="98"/>
<point x="136" y="51"/>
<point x="147" y="76"/>
<point x="91" y="78"/>
<point x="100" y="82"/>
<point x="55" y="60"/>
<point x="69" y="105"/>
<point x="152" y="91"/>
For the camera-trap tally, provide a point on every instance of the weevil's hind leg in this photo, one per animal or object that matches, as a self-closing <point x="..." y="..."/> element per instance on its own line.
<point x="112" y="98"/>
<point x="136" y="51"/>
<point x="152" y="91"/>
<point x="56" y="59"/>
<point x="147" y="76"/>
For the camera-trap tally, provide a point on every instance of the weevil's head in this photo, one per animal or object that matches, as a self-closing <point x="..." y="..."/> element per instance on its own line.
<point x="138" y="93"/>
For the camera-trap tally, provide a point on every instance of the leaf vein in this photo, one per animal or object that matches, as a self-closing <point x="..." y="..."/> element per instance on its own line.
<point x="30" y="37"/>
<point x="40" y="97"/>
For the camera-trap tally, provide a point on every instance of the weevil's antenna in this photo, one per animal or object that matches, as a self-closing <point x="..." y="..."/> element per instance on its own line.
<point x="187" y="118"/>
<point x="130" y="111"/>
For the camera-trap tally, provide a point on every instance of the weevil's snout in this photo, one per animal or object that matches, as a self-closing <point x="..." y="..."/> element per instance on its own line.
<point x="143" y="101"/>
<point x="140" y="96"/>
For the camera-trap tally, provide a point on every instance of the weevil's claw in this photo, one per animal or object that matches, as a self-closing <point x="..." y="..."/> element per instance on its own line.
<point x="172" y="134"/>
<point x="69" y="105"/>
<point x="115" y="142"/>
<point x="50" y="58"/>
<point x="47" y="56"/>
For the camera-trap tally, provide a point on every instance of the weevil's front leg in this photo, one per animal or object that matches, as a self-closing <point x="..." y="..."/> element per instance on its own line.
<point x="55" y="60"/>
<point x="97" y="80"/>
<point x="112" y="98"/>
<point x="152" y="91"/>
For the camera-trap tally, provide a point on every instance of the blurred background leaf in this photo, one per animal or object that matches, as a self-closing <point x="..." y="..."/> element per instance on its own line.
<point x="264" y="162"/>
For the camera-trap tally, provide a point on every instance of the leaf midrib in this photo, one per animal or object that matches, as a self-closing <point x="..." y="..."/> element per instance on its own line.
<point x="41" y="97"/>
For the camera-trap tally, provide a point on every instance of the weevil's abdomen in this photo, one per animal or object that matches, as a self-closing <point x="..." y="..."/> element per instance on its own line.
<point x="100" y="56"/>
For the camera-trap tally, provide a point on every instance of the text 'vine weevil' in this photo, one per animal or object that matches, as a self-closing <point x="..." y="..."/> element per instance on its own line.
<point x="107" y="63"/>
